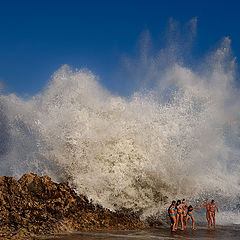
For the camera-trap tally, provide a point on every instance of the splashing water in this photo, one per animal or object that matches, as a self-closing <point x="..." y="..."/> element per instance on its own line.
<point x="179" y="138"/>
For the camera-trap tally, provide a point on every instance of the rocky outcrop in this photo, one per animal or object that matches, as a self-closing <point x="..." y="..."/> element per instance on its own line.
<point x="36" y="205"/>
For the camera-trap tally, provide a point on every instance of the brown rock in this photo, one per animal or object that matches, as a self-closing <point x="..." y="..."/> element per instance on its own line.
<point x="36" y="205"/>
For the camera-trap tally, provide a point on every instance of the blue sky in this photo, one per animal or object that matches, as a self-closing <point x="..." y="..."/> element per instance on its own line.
<point x="37" y="37"/>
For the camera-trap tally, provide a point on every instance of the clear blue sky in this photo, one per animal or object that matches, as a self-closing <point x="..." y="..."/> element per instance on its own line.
<point x="37" y="37"/>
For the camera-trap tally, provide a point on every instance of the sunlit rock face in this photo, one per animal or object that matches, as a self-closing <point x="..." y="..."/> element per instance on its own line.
<point x="35" y="205"/>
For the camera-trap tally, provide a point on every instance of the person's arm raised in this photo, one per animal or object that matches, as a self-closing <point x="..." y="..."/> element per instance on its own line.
<point x="197" y="208"/>
<point x="203" y="205"/>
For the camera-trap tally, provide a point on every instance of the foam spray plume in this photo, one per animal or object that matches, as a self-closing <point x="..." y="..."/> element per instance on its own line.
<point x="178" y="139"/>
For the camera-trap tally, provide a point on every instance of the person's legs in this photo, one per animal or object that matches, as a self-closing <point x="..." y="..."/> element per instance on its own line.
<point x="171" y="224"/>
<point x="207" y="216"/>
<point x="174" y="223"/>
<point x="213" y="216"/>
<point x="186" y="219"/>
<point x="177" y="220"/>
<point x="210" y="220"/>
<point x="193" y="222"/>
<point x="181" y="218"/>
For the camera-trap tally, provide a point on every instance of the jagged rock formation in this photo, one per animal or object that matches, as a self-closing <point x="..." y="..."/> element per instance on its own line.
<point x="36" y="205"/>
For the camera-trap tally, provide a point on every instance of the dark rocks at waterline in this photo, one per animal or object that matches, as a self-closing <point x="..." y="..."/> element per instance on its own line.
<point x="36" y="205"/>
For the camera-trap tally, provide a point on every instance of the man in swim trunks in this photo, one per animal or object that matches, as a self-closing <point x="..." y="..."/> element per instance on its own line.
<point x="171" y="212"/>
<point x="179" y="214"/>
<point x="212" y="207"/>
<point x="207" y="205"/>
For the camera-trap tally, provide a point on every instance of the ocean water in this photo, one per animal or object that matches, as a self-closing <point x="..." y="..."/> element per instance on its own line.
<point x="221" y="232"/>
<point x="176" y="135"/>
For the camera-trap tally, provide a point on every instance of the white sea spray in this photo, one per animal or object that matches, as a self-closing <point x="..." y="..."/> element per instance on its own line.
<point x="178" y="138"/>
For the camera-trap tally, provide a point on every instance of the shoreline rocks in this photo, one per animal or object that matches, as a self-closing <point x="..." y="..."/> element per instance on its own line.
<point x="36" y="205"/>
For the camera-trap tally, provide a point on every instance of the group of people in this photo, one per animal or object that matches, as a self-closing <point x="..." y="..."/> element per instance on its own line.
<point x="180" y="212"/>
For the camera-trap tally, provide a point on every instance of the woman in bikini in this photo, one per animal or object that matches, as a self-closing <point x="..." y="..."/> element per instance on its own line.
<point x="171" y="211"/>
<point x="190" y="215"/>
<point x="184" y="205"/>
<point x="179" y="214"/>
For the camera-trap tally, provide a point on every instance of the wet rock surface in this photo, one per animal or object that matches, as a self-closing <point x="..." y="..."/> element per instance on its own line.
<point x="36" y="205"/>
